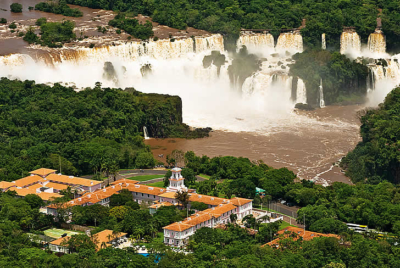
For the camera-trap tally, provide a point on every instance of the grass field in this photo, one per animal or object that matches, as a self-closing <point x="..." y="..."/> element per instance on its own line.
<point x="145" y="177"/>
<point x="207" y="177"/>
<point x="157" y="184"/>
<point x="56" y="233"/>
<point x="284" y="225"/>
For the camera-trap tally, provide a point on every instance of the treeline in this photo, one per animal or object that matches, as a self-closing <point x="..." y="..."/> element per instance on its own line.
<point x="59" y="7"/>
<point x="228" y="17"/>
<point x="377" y="157"/>
<point x="343" y="80"/>
<point x="230" y="175"/>
<point x="132" y="26"/>
<point x="92" y="131"/>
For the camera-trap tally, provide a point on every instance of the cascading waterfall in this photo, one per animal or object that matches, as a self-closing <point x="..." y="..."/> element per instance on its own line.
<point x="323" y="37"/>
<point x="214" y="42"/>
<point x="129" y="51"/>
<point x="290" y="41"/>
<point x="146" y="133"/>
<point x="377" y="42"/>
<point x="321" y="96"/>
<point x="256" y="41"/>
<point x="350" y="42"/>
<point x="301" y="92"/>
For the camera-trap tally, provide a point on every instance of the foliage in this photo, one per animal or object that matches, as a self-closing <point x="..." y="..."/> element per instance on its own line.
<point x="53" y="34"/>
<point x="79" y="243"/>
<point x="41" y="21"/>
<point x="12" y="25"/>
<point x="377" y="157"/>
<point x="59" y="7"/>
<point x="198" y="206"/>
<point x="132" y="26"/>
<point x="121" y="198"/>
<point x="30" y="36"/>
<point x="339" y="75"/>
<point x="3" y="21"/>
<point x="16" y="8"/>
<point x="91" y="131"/>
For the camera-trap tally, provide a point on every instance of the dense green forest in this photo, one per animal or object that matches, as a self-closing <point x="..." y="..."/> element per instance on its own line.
<point x="52" y="34"/>
<point x="377" y="156"/>
<point x="90" y="130"/>
<point x="132" y="26"/>
<point x="59" y="7"/>
<point x="229" y="16"/>
<point x="342" y="79"/>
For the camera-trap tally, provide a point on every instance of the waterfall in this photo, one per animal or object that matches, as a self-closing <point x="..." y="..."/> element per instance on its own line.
<point x="301" y="92"/>
<point x="350" y="42"/>
<point x="145" y="133"/>
<point x="323" y="41"/>
<point x="321" y="96"/>
<point x="256" y="41"/>
<point x="290" y="41"/>
<point x="377" y="42"/>
<point x="162" y="49"/>
<point x="213" y="42"/>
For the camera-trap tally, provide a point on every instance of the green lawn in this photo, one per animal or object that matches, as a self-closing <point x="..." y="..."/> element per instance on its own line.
<point x="207" y="177"/>
<point x="157" y="184"/>
<point x="284" y="225"/>
<point x="56" y="233"/>
<point x="145" y="177"/>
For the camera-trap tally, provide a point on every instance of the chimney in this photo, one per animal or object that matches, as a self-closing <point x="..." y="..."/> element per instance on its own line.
<point x="91" y="183"/>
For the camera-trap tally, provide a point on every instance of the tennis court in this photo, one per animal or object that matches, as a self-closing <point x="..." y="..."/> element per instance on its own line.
<point x="56" y="233"/>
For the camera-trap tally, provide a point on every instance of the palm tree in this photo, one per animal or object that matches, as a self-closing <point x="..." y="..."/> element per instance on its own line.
<point x="183" y="198"/>
<point x="264" y="218"/>
<point x="233" y="217"/>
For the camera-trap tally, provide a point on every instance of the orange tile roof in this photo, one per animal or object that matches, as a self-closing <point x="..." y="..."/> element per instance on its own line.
<point x="163" y="204"/>
<point x="209" y="200"/>
<point x="178" y="226"/>
<point x="6" y="184"/>
<point x="139" y="188"/>
<point x="22" y="191"/>
<point x="221" y="209"/>
<point x="43" y="171"/>
<point x="60" y="240"/>
<point x="93" y="197"/>
<point x="72" y="180"/>
<point x="168" y="195"/>
<point x="200" y="217"/>
<point x="306" y="235"/>
<point x="239" y="201"/>
<point x="34" y="187"/>
<point x="124" y="181"/>
<point x="56" y="186"/>
<point x="105" y="236"/>
<point x="48" y="196"/>
<point x="27" y="180"/>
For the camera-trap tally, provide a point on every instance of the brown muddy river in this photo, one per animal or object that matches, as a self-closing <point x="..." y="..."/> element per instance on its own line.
<point x="308" y="151"/>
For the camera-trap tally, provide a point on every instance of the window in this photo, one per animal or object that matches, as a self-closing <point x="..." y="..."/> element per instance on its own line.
<point x="148" y="195"/>
<point x="142" y="194"/>
<point x="167" y="240"/>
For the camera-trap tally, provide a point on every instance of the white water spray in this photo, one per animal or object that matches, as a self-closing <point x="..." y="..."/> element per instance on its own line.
<point x="321" y="96"/>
